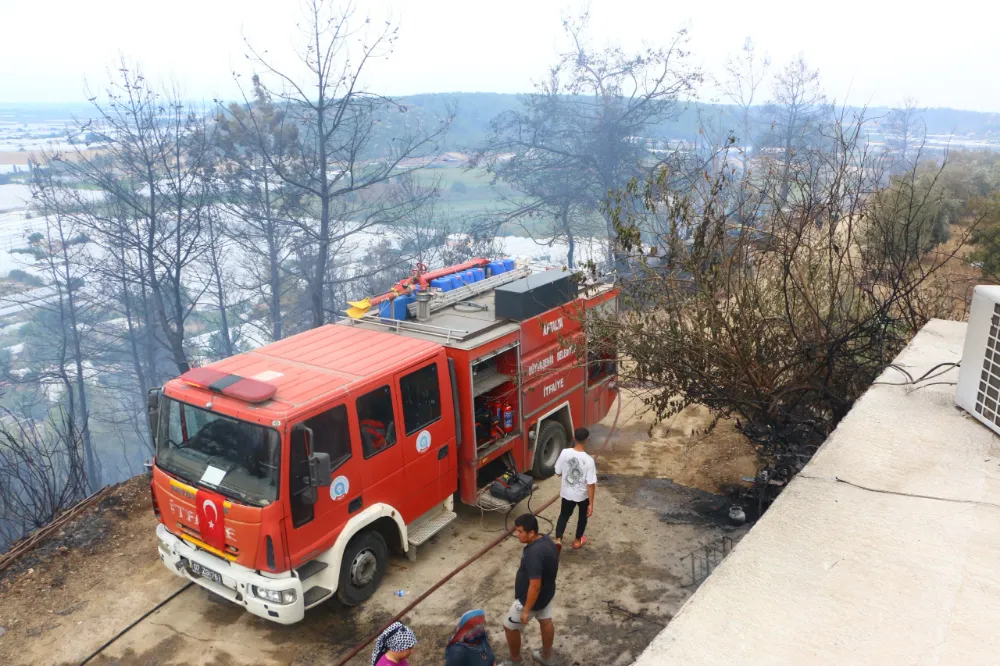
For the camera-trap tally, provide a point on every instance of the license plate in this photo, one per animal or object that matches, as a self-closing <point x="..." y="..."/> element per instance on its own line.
<point x="199" y="570"/>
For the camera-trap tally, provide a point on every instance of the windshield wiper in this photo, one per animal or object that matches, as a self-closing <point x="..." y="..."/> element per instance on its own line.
<point x="169" y="467"/>
<point x="232" y="493"/>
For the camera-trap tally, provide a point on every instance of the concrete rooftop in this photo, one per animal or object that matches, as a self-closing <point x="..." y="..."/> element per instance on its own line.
<point x="884" y="550"/>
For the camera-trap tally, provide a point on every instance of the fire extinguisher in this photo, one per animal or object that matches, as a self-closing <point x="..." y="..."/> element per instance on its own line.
<point x="508" y="417"/>
<point x="496" y="412"/>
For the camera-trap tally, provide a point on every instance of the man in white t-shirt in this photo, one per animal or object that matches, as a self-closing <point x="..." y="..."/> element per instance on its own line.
<point x="579" y="484"/>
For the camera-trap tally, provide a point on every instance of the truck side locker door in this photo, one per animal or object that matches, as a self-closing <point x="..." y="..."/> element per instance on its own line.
<point x="378" y="423"/>
<point x="309" y="524"/>
<point x="428" y="432"/>
<point x="448" y="464"/>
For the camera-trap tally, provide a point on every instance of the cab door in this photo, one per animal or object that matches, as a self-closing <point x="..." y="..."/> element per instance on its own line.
<point x="378" y="426"/>
<point x="427" y="434"/>
<point x="311" y="526"/>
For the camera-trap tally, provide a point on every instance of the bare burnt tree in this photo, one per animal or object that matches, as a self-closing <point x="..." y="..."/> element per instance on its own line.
<point x="477" y="239"/>
<point x="346" y="163"/>
<point x="261" y="206"/>
<point x="219" y="280"/>
<point x="415" y="241"/>
<point x="58" y="336"/>
<point x="42" y="472"/>
<point x="155" y="161"/>
<point x="796" y="112"/>
<point x="745" y="74"/>
<point x="904" y="131"/>
<point x="547" y="190"/>
<point x="421" y="232"/>
<point x="782" y="324"/>
<point x="585" y="131"/>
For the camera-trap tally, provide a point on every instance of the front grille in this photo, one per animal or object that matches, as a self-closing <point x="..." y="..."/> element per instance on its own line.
<point x="190" y="531"/>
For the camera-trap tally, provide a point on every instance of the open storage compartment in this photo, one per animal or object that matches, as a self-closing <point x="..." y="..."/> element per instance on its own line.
<point x="495" y="400"/>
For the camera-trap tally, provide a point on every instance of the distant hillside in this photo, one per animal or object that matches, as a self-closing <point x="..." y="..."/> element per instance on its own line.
<point x="43" y="113"/>
<point x="473" y="112"/>
<point x="971" y="124"/>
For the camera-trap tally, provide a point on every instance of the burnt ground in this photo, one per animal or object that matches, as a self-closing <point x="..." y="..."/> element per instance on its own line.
<point x="77" y="591"/>
<point x="86" y="531"/>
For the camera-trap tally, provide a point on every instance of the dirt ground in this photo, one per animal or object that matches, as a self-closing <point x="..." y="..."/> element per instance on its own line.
<point x="61" y="603"/>
<point x="683" y="449"/>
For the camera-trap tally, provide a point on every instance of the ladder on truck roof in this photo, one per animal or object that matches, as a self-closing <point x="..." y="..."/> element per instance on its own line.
<point x="397" y="325"/>
<point x="441" y="301"/>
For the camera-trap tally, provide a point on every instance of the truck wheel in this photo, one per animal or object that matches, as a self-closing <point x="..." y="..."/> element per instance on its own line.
<point x="362" y="568"/>
<point x="551" y="442"/>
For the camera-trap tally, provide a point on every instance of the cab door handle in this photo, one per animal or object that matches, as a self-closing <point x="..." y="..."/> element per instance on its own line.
<point x="354" y="505"/>
<point x="443" y="452"/>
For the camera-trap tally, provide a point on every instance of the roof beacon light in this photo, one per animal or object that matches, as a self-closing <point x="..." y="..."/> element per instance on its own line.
<point x="233" y="386"/>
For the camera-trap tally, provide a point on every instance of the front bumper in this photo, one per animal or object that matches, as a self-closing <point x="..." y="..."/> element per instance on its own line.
<point x="237" y="580"/>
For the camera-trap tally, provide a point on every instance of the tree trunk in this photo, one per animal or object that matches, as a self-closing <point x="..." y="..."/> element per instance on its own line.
<point x="227" y="340"/>
<point x="220" y="293"/>
<point x="90" y="455"/>
<point x="273" y="264"/>
<point x="787" y="161"/>
<point x="323" y="251"/>
<point x="570" y="240"/>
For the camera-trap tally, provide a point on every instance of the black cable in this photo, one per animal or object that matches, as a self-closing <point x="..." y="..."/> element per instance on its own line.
<point x="927" y="375"/>
<point x="552" y="525"/>
<point x="939" y="365"/>
<point x="129" y="627"/>
<point x="531" y="495"/>
<point x="936" y="384"/>
<point x="902" y="370"/>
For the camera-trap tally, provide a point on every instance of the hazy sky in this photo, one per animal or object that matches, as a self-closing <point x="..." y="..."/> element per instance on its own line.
<point x="943" y="54"/>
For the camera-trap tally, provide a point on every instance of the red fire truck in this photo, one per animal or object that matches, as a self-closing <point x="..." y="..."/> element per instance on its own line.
<point x="287" y="475"/>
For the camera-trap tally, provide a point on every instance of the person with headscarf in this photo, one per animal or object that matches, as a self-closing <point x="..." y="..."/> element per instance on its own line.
<point x="469" y="645"/>
<point x="393" y="646"/>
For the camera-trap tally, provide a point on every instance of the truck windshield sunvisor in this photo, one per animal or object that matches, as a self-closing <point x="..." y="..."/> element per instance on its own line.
<point x="239" y="459"/>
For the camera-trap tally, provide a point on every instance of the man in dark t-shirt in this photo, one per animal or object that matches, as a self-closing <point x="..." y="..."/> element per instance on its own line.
<point x="534" y="590"/>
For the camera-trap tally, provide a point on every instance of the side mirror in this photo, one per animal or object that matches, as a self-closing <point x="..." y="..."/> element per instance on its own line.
<point x="319" y="470"/>
<point x="153" y="412"/>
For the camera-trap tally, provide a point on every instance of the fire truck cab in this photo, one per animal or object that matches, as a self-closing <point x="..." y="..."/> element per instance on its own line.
<point x="286" y="475"/>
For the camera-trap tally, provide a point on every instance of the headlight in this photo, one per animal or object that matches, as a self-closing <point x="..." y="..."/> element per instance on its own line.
<point x="274" y="596"/>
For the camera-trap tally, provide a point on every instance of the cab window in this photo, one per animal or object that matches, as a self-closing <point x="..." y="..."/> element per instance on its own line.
<point x="377" y="421"/>
<point x="332" y="435"/>
<point x="421" y="397"/>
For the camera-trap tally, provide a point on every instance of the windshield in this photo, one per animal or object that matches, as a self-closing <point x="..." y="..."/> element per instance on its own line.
<point x="237" y="458"/>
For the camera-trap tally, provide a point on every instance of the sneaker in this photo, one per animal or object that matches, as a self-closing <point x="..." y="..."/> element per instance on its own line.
<point x="537" y="656"/>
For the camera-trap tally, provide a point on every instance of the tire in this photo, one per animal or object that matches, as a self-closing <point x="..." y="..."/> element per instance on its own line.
<point x="365" y="562"/>
<point x="551" y="441"/>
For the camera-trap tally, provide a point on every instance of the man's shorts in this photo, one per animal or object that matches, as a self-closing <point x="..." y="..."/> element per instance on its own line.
<point x="513" y="619"/>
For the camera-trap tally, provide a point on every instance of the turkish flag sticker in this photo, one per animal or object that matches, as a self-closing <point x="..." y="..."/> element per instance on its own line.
<point x="211" y="522"/>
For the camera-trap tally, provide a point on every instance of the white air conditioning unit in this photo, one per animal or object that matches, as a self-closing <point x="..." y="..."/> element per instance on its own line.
<point x="979" y="377"/>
